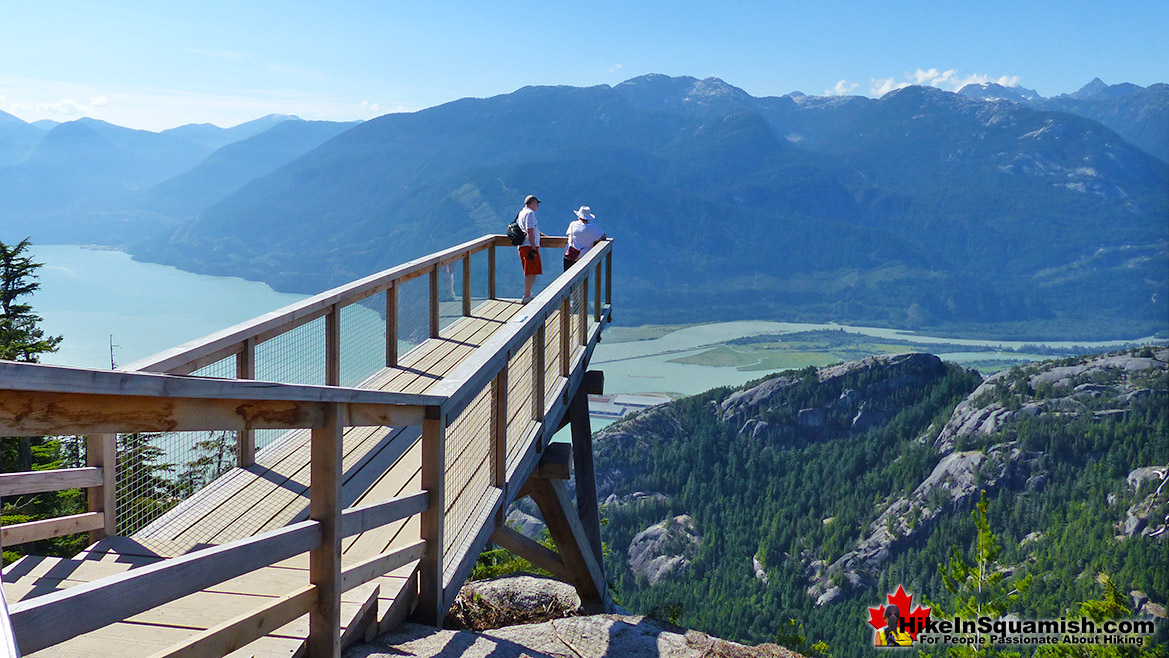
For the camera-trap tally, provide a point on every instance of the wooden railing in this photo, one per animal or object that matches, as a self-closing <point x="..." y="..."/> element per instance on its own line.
<point x="484" y="427"/>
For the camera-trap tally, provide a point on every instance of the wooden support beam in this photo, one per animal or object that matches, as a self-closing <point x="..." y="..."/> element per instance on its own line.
<point x="22" y="533"/>
<point x="539" y="555"/>
<point x="467" y="285"/>
<point x="333" y="346"/>
<point x="582" y="457"/>
<point x="59" y="479"/>
<point x="324" y="636"/>
<point x="432" y="606"/>
<point x="237" y="632"/>
<point x="434" y="324"/>
<point x="559" y="514"/>
<point x="245" y="368"/>
<point x="555" y="463"/>
<point x="101" y="451"/>
<point x="491" y="272"/>
<point x="392" y="326"/>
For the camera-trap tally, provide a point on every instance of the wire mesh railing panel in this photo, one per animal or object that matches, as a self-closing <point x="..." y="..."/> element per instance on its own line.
<point x="469" y="470"/>
<point x="156" y="471"/>
<point x="363" y="339"/>
<point x="519" y="398"/>
<point x="224" y="369"/>
<point x="413" y="320"/>
<point x="294" y="357"/>
<point x="552" y="373"/>
<point x="579" y="314"/>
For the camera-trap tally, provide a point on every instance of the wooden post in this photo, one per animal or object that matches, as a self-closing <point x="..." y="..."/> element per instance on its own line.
<point x="609" y="278"/>
<point x="432" y="606"/>
<point x="434" y="301"/>
<point x="325" y="504"/>
<point x="102" y="450"/>
<point x="467" y="285"/>
<point x="587" y="575"/>
<point x="245" y="368"/>
<point x="392" y="326"/>
<point x="491" y="272"/>
<point x="565" y="338"/>
<point x="333" y="346"/>
<point x="597" y="296"/>
<point x="499" y="428"/>
<point x="538" y="366"/>
<point x="582" y="462"/>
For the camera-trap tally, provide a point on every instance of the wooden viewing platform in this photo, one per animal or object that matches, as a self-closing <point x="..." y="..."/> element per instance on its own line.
<point x="369" y="505"/>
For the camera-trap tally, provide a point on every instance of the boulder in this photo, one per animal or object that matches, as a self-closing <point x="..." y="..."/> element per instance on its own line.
<point x="512" y="599"/>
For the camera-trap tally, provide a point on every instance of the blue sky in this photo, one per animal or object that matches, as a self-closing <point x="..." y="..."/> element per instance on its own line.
<point x="156" y="65"/>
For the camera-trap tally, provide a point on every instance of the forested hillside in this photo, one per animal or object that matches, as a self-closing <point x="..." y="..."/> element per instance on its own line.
<point x="921" y="209"/>
<point x="810" y="495"/>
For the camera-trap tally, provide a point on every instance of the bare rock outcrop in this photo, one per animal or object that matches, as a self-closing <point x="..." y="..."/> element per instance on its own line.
<point x="664" y="548"/>
<point x="596" y="636"/>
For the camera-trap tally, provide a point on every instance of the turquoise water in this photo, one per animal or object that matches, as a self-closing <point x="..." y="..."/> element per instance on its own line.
<point x="88" y="295"/>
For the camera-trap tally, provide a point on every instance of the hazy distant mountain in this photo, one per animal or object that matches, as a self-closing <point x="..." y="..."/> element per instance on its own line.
<point x="91" y="181"/>
<point x="16" y="138"/>
<point x="46" y="124"/>
<point x="923" y="208"/>
<point x="1139" y="114"/>
<point x="214" y="137"/>
<point x="230" y="167"/>
<point x="57" y="192"/>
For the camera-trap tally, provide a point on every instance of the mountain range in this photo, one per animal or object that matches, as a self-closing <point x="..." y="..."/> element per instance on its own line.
<point x="922" y="209"/>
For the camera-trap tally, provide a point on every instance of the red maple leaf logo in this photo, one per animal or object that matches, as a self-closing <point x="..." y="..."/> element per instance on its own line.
<point x="912" y="622"/>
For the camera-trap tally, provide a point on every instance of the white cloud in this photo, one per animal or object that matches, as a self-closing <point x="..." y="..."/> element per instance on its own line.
<point x="884" y="86"/>
<point x="614" y="68"/>
<point x="842" y="88"/>
<point x="948" y="80"/>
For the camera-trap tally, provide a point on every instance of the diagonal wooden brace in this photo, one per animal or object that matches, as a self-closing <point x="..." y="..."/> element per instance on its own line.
<point x="584" y="570"/>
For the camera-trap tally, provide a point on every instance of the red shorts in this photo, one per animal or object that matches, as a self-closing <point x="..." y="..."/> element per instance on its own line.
<point x="532" y="266"/>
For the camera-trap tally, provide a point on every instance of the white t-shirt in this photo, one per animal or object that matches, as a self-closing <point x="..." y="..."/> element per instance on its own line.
<point x="527" y="220"/>
<point x="583" y="235"/>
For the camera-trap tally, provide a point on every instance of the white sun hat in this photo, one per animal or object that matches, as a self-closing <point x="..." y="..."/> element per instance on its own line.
<point x="585" y="213"/>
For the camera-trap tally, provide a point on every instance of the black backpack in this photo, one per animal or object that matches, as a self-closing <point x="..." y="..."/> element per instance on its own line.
<point x="515" y="234"/>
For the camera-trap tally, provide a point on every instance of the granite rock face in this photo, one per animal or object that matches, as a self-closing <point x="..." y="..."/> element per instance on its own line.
<point x="664" y="548"/>
<point x="1094" y="388"/>
<point x="597" y="636"/>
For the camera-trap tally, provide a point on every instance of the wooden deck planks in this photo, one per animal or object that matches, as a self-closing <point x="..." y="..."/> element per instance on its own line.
<point x="248" y="501"/>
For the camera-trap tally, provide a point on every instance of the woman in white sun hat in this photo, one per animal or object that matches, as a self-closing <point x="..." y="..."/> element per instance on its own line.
<point x="582" y="235"/>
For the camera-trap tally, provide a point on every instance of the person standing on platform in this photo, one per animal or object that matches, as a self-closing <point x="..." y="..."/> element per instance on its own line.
<point x="530" y="248"/>
<point x="582" y="235"/>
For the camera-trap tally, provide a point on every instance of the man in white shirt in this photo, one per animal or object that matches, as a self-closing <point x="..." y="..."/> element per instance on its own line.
<point x="530" y="248"/>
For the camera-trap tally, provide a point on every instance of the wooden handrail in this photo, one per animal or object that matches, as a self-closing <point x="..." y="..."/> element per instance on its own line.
<point x="179" y="360"/>
<point x="58" y="479"/>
